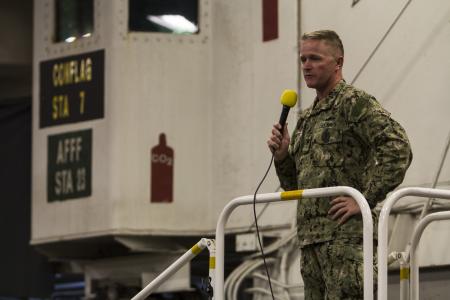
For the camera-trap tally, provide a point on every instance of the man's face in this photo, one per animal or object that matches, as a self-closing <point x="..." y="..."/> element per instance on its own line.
<point x="320" y="67"/>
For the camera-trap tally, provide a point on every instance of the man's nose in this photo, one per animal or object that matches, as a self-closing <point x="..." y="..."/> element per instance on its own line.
<point x="306" y="65"/>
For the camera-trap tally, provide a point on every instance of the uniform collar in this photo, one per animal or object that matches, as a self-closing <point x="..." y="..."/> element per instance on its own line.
<point x="327" y="102"/>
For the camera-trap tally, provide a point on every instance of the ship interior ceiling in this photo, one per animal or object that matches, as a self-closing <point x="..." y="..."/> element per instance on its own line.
<point x="104" y="187"/>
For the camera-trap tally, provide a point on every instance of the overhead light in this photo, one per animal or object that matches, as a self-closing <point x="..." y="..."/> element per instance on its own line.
<point x="70" y="39"/>
<point x="176" y="23"/>
<point x="87" y="34"/>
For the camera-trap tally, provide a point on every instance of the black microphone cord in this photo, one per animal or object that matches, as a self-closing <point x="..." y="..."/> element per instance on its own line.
<point x="256" y="225"/>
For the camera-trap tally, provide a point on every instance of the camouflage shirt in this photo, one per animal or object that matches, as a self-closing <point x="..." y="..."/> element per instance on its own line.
<point x="345" y="139"/>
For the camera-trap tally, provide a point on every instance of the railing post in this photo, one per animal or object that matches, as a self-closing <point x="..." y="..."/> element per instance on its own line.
<point x="404" y="280"/>
<point x="414" y="287"/>
<point x="383" y="229"/>
<point x="211" y="244"/>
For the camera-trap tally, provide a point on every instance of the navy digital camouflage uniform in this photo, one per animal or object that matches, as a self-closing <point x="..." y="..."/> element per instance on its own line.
<point x="345" y="139"/>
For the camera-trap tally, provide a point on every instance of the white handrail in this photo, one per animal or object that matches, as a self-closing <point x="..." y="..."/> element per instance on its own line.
<point x="172" y="269"/>
<point x="383" y="228"/>
<point x="293" y="195"/>
<point x="414" y="287"/>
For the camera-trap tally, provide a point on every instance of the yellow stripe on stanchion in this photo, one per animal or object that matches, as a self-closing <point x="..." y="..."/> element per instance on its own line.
<point x="291" y="195"/>
<point x="212" y="262"/>
<point x="404" y="273"/>
<point x="196" y="249"/>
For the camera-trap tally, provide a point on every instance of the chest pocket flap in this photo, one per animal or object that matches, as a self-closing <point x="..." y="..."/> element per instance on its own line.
<point x="327" y="147"/>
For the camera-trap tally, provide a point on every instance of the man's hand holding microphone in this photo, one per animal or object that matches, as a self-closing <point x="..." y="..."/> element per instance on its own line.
<point x="279" y="140"/>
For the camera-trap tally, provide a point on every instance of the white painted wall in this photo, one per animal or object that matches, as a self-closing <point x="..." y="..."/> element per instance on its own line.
<point x="249" y="77"/>
<point x="215" y="96"/>
<point x="408" y="75"/>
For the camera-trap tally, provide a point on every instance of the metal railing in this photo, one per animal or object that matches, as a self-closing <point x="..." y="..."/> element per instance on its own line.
<point x="383" y="230"/>
<point x="180" y="262"/>
<point x="414" y="287"/>
<point x="293" y="195"/>
<point x="216" y="265"/>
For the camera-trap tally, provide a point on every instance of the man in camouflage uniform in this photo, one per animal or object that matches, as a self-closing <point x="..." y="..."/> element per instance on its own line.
<point x="344" y="139"/>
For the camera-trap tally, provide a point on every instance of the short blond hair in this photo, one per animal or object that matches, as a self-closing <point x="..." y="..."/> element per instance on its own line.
<point x="329" y="36"/>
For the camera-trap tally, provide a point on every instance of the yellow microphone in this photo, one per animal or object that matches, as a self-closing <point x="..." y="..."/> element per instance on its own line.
<point x="288" y="99"/>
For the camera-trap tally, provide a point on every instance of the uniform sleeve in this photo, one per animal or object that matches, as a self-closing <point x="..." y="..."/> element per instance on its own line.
<point x="389" y="149"/>
<point x="286" y="173"/>
<point x="286" y="169"/>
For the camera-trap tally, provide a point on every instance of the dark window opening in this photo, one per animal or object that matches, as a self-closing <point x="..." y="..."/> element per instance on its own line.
<point x="170" y="16"/>
<point x="74" y="19"/>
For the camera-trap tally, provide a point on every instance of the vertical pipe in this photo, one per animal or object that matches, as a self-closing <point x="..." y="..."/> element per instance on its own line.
<point x="383" y="230"/>
<point x="383" y="241"/>
<point x="212" y="265"/>
<point x="367" y="241"/>
<point x="443" y="215"/>
<point x="404" y="280"/>
<point x="220" y="236"/>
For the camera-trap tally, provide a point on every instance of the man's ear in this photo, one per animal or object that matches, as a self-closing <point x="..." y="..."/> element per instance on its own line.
<point x="340" y="62"/>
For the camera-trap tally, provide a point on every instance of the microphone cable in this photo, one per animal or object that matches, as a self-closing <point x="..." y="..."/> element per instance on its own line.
<point x="288" y="99"/>
<point x="257" y="228"/>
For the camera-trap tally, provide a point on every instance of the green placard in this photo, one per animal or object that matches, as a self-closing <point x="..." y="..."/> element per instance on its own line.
<point x="69" y="165"/>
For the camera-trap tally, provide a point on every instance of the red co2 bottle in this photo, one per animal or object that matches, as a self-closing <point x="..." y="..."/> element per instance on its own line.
<point x="161" y="185"/>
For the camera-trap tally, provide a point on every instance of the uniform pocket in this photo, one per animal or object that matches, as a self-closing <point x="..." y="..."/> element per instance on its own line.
<point x="327" y="147"/>
<point x="345" y="273"/>
<point x="301" y="142"/>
